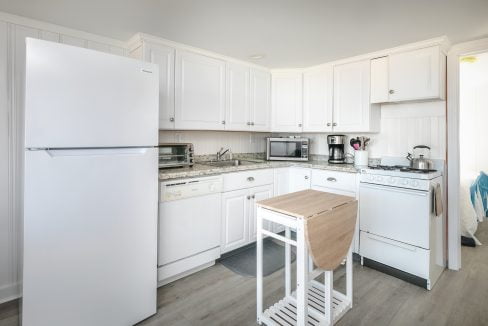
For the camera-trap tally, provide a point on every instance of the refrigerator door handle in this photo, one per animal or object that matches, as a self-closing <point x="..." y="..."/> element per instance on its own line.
<point x="97" y="151"/>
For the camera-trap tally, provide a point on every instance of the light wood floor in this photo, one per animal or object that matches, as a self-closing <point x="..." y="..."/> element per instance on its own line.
<point x="217" y="296"/>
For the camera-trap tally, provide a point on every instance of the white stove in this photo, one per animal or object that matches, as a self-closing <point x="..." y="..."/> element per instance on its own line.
<point x="399" y="176"/>
<point x="399" y="231"/>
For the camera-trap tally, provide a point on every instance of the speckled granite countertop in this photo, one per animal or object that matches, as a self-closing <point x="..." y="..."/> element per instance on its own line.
<point x="200" y="169"/>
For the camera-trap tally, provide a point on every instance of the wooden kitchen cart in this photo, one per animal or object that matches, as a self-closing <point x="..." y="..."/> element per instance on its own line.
<point x="324" y="225"/>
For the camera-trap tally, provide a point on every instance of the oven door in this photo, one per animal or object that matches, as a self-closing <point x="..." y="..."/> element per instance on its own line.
<point x="395" y="213"/>
<point x="287" y="150"/>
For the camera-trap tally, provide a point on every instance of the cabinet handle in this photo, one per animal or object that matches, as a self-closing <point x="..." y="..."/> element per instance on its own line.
<point x="250" y="179"/>
<point x="223" y="122"/>
<point x="248" y="197"/>
<point x="331" y="179"/>
<point x="334" y="124"/>
<point x="391" y="91"/>
<point x="328" y="124"/>
<point x="306" y="177"/>
<point x="172" y="119"/>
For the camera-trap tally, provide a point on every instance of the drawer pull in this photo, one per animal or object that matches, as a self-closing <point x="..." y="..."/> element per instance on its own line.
<point x="250" y="179"/>
<point x="331" y="179"/>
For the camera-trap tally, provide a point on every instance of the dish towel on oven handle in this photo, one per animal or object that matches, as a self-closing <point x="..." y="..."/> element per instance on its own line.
<point x="438" y="209"/>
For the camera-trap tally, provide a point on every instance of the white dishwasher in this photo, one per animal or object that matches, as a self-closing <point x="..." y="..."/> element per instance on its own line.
<point x="189" y="226"/>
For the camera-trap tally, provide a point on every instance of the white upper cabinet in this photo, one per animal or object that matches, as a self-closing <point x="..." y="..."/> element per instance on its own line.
<point x="248" y="98"/>
<point x="352" y="109"/>
<point x="417" y="75"/>
<point x="379" y="80"/>
<point x="199" y="92"/>
<point x="317" y="99"/>
<point x="286" y="89"/>
<point x="409" y="76"/>
<point x="237" y="109"/>
<point x="164" y="56"/>
<point x="260" y="101"/>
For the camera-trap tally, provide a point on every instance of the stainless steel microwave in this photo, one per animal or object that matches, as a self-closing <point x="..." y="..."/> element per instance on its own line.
<point x="287" y="149"/>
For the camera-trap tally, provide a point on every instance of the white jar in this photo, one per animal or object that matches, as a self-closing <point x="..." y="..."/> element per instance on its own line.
<point x="361" y="158"/>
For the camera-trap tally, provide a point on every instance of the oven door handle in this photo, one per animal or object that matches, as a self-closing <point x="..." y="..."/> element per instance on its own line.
<point x="391" y="242"/>
<point x="421" y="193"/>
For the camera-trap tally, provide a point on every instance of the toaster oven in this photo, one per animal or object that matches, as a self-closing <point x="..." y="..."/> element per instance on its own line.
<point x="175" y="155"/>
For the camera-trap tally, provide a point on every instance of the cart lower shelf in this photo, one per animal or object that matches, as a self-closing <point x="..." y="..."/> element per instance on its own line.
<point x="284" y="312"/>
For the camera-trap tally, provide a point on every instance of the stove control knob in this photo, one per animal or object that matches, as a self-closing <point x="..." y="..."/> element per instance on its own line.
<point x="391" y="180"/>
<point x="415" y="183"/>
<point x="379" y="179"/>
<point x="405" y="182"/>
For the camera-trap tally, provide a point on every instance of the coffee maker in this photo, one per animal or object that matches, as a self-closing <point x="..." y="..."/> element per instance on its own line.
<point x="336" y="149"/>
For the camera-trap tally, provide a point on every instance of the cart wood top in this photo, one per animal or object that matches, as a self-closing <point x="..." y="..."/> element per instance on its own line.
<point x="305" y="204"/>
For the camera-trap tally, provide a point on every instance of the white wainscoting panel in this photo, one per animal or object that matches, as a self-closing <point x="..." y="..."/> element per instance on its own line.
<point x="402" y="127"/>
<point x="210" y="142"/>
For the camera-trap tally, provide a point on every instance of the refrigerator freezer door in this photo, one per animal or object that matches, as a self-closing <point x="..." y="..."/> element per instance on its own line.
<point x="83" y="98"/>
<point x="90" y="236"/>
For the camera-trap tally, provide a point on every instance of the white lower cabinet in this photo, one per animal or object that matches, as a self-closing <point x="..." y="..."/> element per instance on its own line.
<point x="299" y="179"/>
<point x="239" y="216"/>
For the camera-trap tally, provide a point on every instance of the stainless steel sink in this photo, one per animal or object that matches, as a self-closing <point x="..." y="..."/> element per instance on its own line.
<point x="230" y="163"/>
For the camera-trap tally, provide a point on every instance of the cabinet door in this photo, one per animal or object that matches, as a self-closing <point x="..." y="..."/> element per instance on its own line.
<point x="200" y="92"/>
<point x="281" y="181"/>
<point x="257" y="194"/>
<point x="286" y="103"/>
<point x="237" y="98"/>
<point x="164" y="56"/>
<point x="351" y="97"/>
<point x="317" y="100"/>
<point x="235" y="217"/>
<point x="415" y="74"/>
<point x="260" y="100"/>
<point x="379" y="80"/>
<point x="299" y="179"/>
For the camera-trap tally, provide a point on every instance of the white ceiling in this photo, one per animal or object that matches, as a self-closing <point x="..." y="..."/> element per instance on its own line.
<point x="290" y="33"/>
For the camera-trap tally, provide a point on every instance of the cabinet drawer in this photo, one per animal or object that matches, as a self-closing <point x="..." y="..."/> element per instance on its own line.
<point x="247" y="179"/>
<point x="396" y="254"/>
<point x="334" y="180"/>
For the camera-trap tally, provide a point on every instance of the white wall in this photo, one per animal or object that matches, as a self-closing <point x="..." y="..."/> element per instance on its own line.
<point x="402" y="127"/>
<point x="210" y="142"/>
<point x="473" y="117"/>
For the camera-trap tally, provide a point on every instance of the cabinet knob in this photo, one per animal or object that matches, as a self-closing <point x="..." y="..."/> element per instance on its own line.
<point x="328" y="124"/>
<point x="252" y="123"/>
<point x="250" y="179"/>
<point x="331" y="179"/>
<point x="391" y="91"/>
<point x="253" y="196"/>
<point x="172" y="119"/>
<point x="306" y="177"/>
<point x="248" y="197"/>
<point x="248" y="123"/>
<point x="334" y="124"/>
<point x="223" y="122"/>
<point x="299" y="124"/>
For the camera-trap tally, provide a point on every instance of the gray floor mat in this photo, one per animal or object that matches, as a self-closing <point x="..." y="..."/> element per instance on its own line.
<point x="244" y="262"/>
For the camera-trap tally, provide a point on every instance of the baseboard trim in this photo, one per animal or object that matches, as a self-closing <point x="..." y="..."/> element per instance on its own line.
<point x="9" y="292"/>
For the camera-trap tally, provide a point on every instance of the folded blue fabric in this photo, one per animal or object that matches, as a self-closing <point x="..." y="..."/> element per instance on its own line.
<point x="481" y="184"/>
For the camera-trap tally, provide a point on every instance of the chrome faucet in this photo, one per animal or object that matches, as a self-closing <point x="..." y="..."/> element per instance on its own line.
<point x="220" y="154"/>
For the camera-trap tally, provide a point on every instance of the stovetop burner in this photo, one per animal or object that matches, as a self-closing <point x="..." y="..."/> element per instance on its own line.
<point x="401" y="168"/>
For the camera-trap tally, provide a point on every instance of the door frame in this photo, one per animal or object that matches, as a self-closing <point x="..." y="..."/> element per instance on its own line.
<point x="453" y="154"/>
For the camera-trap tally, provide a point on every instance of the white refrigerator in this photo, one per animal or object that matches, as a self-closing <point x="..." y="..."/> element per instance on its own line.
<point x="91" y="187"/>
